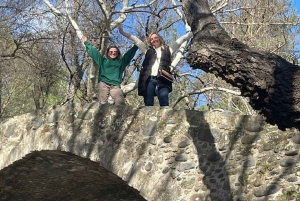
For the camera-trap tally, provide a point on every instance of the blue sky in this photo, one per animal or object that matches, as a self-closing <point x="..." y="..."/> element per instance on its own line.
<point x="296" y="4"/>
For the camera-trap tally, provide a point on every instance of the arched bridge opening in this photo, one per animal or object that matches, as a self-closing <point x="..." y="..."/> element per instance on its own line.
<point x="57" y="175"/>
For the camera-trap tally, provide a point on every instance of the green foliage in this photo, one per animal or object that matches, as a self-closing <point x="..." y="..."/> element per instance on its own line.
<point x="268" y="167"/>
<point x="32" y="80"/>
<point x="161" y="124"/>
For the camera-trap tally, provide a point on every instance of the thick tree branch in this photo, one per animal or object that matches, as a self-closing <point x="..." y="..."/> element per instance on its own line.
<point x="74" y="24"/>
<point x="271" y="83"/>
<point x="68" y="17"/>
<point x="54" y="10"/>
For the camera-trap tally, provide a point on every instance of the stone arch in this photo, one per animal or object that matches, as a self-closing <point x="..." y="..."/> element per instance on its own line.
<point x="57" y="175"/>
<point x="165" y="154"/>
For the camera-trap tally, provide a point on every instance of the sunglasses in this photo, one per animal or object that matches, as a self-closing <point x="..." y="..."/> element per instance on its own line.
<point x="111" y="52"/>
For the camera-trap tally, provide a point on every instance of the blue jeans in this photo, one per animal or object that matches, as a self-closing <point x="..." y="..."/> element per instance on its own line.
<point x="152" y="90"/>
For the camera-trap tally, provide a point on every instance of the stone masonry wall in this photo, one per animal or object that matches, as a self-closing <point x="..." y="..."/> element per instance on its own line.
<point x="166" y="154"/>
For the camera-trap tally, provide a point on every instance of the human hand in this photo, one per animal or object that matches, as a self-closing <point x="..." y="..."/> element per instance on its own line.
<point x="83" y="39"/>
<point x="174" y="70"/>
<point x="120" y="27"/>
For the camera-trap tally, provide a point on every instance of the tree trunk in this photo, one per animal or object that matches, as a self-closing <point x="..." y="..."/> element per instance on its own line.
<point x="271" y="83"/>
<point x="74" y="85"/>
<point x="0" y="97"/>
<point x="92" y="82"/>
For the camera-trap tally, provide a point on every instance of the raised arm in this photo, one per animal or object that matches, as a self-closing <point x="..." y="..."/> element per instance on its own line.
<point x="175" y="45"/>
<point x="138" y="42"/>
<point x="92" y="51"/>
<point x="120" y="27"/>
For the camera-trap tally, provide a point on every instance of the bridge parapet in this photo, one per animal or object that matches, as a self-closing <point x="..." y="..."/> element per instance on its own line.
<point x="166" y="154"/>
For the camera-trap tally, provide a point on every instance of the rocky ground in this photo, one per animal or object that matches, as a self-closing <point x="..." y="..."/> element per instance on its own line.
<point x="61" y="176"/>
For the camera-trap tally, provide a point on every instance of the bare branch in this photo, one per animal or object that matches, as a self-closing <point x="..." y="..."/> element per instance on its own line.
<point x="133" y="6"/>
<point x="179" y="54"/>
<point x="201" y="91"/>
<point x="54" y="10"/>
<point x="103" y="8"/>
<point x="187" y="27"/>
<point x="63" y="54"/>
<point x="181" y="89"/>
<point x="261" y="23"/>
<point x="11" y="55"/>
<point x="60" y="14"/>
<point x="219" y="5"/>
<point x="74" y="24"/>
<point x="167" y="8"/>
<point x="119" y="20"/>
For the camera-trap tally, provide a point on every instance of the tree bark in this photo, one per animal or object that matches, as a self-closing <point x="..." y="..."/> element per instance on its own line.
<point x="0" y="97"/>
<point x="271" y="83"/>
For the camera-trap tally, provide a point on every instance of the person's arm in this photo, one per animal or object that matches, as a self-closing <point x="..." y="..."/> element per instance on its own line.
<point x="141" y="45"/>
<point x="120" y="27"/>
<point x="175" y="45"/>
<point x="128" y="56"/>
<point x="92" y="51"/>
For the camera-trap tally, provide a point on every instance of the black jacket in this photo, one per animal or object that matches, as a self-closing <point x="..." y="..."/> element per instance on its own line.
<point x="147" y="64"/>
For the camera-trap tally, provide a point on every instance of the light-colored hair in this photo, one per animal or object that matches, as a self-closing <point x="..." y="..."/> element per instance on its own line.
<point x="162" y="42"/>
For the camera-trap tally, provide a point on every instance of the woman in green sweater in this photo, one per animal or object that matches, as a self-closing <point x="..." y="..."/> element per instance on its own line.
<point x="111" y="68"/>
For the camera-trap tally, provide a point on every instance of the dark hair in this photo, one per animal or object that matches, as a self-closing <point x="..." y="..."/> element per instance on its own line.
<point x="113" y="46"/>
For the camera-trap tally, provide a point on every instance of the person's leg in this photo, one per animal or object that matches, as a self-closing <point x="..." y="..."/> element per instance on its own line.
<point x="163" y="96"/>
<point x="149" y="92"/>
<point x="103" y="92"/>
<point x="117" y="94"/>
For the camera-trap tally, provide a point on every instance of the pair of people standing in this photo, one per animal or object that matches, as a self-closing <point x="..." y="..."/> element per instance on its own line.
<point x="157" y="55"/>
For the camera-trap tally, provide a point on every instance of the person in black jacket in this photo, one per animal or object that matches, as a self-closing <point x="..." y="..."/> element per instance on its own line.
<point x="157" y="56"/>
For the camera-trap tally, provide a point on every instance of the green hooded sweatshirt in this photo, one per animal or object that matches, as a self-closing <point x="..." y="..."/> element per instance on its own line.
<point x="110" y="70"/>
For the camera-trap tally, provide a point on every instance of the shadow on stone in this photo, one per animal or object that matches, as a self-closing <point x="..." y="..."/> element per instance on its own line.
<point x="211" y="163"/>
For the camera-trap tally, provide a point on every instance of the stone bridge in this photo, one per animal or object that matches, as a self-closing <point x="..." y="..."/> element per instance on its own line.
<point x="164" y="154"/>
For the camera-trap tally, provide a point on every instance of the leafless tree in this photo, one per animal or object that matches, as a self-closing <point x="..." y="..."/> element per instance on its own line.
<point x="222" y="52"/>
